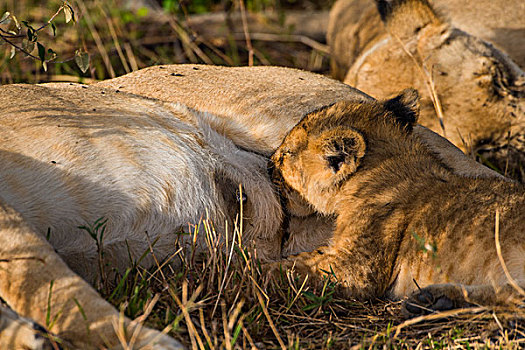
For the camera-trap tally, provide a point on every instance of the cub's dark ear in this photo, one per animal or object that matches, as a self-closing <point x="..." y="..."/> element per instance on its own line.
<point x="405" y="108"/>
<point x="342" y="149"/>
<point x="405" y="18"/>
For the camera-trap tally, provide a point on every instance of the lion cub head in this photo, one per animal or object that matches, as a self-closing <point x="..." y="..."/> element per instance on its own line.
<point x="329" y="147"/>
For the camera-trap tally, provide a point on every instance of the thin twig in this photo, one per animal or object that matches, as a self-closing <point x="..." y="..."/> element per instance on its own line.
<point x="113" y="33"/>
<point x="270" y="322"/>
<point x="429" y="82"/>
<point x="131" y="57"/>
<point x="204" y="331"/>
<point x="246" y="33"/>
<point x="49" y="20"/>
<point x="141" y="319"/>
<point x="226" y="271"/>
<point x="194" y="335"/>
<point x="511" y="280"/>
<point x="226" y="331"/>
<point x="292" y="38"/>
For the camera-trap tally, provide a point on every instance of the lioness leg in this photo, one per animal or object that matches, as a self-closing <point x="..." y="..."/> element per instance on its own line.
<point x="35" y="281"/>
<point x="19" y="333"/>
<point x="441" y="297"/>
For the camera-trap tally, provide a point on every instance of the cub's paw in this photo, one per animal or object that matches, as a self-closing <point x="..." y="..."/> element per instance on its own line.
<point x="313" y="264"/>
<point x="434" y="298"/>
<point x="20" y="333"/>
<point x="275" y="270"/>
<point x="278" y="271"/>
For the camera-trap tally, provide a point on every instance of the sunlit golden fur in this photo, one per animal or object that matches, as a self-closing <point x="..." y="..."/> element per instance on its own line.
<point x="256" y="107"/>
<point x="72" y="154"/>
<point x="253" y="106"/>
<point x="152" y="166"/>
<point x="402" y="214"/>
<point x="480" y="89"/>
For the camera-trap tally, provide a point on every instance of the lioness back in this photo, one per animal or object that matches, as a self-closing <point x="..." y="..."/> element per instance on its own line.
<point x="254" y="106"/>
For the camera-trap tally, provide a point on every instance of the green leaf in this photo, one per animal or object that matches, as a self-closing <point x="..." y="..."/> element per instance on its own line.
<point x="54" y="29"/>
<point x="52" y="53"/>
<point x="127" y="17"/>
<point x="42" y="55"/>
<point x="31" y="33"/>
<point x="41" y="52"/>
<point x="48" y="311"/>
<point x="69" y="13"/>
<point x="236" y="334"/>
<point x="26" y="23"/>
<point x="82" y="60"/>
<point x="5" y="16"/>
<point x="310" y="296"/>
<point x="167" y="5"/>
<point x="142" y="12"/>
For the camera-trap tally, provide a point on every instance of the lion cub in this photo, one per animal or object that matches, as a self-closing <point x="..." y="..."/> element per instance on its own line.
<point x="402" y="215"/>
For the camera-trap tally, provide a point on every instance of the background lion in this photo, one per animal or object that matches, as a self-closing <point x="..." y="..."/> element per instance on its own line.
<point x="472" y="92"/>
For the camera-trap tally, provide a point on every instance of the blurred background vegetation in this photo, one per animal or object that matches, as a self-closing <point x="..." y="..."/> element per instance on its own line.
<point x="120" y="36"/>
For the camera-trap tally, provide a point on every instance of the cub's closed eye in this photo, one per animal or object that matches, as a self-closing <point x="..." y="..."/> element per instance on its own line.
<point x="284" y="153"/>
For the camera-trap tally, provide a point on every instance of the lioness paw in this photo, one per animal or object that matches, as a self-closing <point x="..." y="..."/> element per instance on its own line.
<point x="20" y="333"/>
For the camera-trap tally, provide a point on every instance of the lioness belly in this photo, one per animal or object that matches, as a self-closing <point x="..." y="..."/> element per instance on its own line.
<point x="66" y="166"/>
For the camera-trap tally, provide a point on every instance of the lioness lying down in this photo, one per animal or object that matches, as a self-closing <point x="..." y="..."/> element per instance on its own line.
<point x="72" y="154"/>
<point x="393" y="200"/>
<point x="477" y="89"/>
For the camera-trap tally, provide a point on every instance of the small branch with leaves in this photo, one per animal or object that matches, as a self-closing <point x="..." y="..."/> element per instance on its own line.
<point x="24" y="37"/>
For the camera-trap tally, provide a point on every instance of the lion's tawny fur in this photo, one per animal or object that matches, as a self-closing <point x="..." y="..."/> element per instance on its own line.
<point x="478" y="88"/>
<point x="256" y="107"/>
<point x="72" y="154"/>
<point x="402" y="215"/>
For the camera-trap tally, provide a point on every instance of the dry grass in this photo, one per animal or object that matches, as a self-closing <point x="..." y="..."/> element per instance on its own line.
<point x="223" y="300"/>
